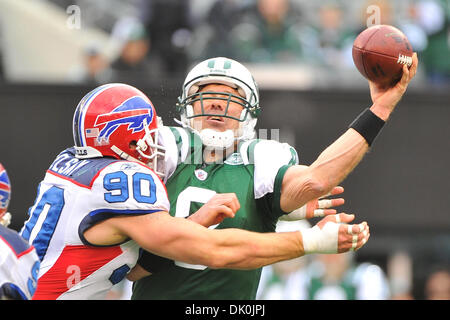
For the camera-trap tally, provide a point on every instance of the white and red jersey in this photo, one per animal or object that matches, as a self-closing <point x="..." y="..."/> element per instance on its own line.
<point x="75" y="195"/>
<point x="19" y="266"/>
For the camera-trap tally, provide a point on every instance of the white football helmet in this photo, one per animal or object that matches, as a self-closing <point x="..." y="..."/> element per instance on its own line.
<point x="226" y="71"/>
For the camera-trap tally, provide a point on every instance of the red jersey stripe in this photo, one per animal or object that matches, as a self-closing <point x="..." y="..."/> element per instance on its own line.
<point x="73" y="265"/>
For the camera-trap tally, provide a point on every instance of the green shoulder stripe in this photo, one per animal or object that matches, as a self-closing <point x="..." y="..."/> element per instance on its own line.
<point x="250" y="151"/>
<point x="178" y="140"/>
<point x="195" y="152"/>
<point x="294" y="159"/>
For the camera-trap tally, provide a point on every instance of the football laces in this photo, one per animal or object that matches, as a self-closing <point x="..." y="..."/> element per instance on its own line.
<point x="402" y="59"/>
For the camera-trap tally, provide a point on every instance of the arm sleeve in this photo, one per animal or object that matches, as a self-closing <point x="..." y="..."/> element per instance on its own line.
<point x="153" y="263"/>
<point x="271" y="160"/>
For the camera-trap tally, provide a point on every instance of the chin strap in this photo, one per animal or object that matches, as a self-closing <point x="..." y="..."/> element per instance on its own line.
<point x="152" y="163"/>
<point x="212" y="138"/>
<point x="216" y="139"/>
<point x="125" y="156"/>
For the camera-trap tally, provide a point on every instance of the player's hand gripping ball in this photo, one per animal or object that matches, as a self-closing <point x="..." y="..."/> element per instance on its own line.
<point x="379" y="53"/>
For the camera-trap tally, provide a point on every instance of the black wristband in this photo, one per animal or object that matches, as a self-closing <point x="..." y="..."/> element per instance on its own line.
<point x="368" y="125"/>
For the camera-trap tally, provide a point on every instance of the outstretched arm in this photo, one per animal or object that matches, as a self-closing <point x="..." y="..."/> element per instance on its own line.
<point x="302" y="183"/>
<point x="183" y="240"/>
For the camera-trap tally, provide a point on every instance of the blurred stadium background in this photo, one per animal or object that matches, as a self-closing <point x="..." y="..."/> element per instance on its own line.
<point x="53" y="52"/>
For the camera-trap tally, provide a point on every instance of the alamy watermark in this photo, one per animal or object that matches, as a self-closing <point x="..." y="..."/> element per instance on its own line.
<point x="374" y="15"/>
<point x="75" y="276"/>
<point x="74" y="19"/>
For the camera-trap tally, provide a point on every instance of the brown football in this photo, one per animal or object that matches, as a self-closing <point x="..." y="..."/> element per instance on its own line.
<point x="379" y="53"/>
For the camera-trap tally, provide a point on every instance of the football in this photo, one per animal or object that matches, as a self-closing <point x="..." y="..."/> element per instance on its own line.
<point x="379" y="53"/>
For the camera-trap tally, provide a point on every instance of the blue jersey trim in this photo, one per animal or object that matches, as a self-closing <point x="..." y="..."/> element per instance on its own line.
<point x="81" y="171"/>
<point x="99" y="215"/>
<point x="12" y="291"/>
<point x="14" y="240"/>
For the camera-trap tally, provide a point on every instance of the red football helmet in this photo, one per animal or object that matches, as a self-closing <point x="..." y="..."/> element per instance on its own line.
<point x="117" y="120"/>
<point x="5" y="196"/>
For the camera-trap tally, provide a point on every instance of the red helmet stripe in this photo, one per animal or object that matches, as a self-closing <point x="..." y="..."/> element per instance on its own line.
<point x="4" y="186"/>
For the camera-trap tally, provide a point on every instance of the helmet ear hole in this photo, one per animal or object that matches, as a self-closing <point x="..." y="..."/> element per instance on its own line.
<point x="133" y="144"/>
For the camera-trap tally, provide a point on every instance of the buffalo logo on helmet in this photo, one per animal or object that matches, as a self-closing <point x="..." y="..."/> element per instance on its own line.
<point x="5" y="189"/>
<point x="131" y="113"/>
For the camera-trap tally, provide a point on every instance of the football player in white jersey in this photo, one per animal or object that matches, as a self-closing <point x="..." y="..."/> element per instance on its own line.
<point x="102" y="200"/>
<point x="19" y="263"/>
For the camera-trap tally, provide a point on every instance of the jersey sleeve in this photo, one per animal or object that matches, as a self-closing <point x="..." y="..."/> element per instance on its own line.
<point x="124" y="188"/>
<point x="271" y="159"/>
<point x="153" y="263"/>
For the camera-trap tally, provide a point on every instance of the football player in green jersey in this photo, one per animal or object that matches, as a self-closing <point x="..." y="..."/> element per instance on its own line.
<point x="215" y="151"/>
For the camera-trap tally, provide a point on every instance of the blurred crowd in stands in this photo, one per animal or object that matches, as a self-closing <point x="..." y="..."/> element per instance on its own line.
<point x="165" y="37"/>
<point x="347" y="277"/>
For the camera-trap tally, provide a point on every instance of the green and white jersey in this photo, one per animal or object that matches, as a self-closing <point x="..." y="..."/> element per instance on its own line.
<point x="254" y="174"/>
